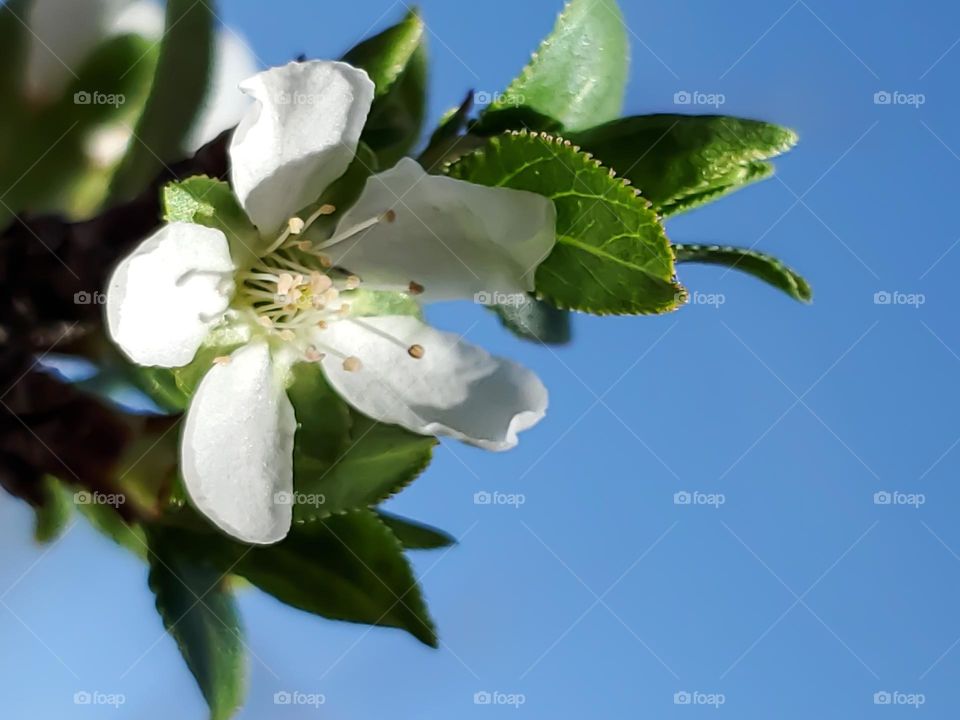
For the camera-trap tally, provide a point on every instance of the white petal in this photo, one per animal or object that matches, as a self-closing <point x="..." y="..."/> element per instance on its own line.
<point x="225" y="104"/>
<point x="456" y="239"/>
<point x="63" y="34"/>
<point x="237" y="447"/>
<point x="299" y="137"/>
<point x="164" y="298"/>
<point x="455" y="389"/>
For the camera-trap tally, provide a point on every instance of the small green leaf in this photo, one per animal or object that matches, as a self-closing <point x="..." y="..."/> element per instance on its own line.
<point x="52" y="517"/>
<point x="578" y="76"/>
<point x="448" y="141"/>
<point x="199" y="611"/>
<point x="416" y="536"/>
<point x="747" y="175"/>
<point x="212" y="203"/>
<point x="611" y="256"/>
<point x="107" y="521"/>
<point x="536" y="320"/>
<point x="760" y="265"/>
<point x="180" y="83"/>
<point x="386" y="56"/>
<point x="347" y="567"/>
<point x="378" y="461"/>
<point x="681" y="161"/>
<point x="323" y="419"/>
<point x="397" y="63"/>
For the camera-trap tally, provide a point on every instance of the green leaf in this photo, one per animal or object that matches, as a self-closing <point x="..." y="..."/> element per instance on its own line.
<point x="396" y="61"/>
<point x="52" y="517"/>
<point x="107" y="521"/>
<point x="760" y="265"/>
<point x="212" y="203"/>
<point x="749" y="174"/>
<point x="611" y="256"/>
<point x="347" y="567"/>
<point x="179" y="87"/>
<point x="377" y="462"/>
<point x="681" y="161"/>
<point x="199" y="611"/>
<point x="416" y="536"/>
<point x="448" y="141"/>
<point x="578" y="76"/>
<point x="536" y="320"/>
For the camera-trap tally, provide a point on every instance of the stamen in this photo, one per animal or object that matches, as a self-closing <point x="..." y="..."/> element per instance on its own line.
<point x="378" y="332"/>
<point x="416" y="352"/>
<point x="352" y="364"/>
<point x="388" y="216"/>
<point x="222" y="360"/>
<point x="295" y="225"/>
<point x="415" y="288"/>
<point x="353" y="282"/>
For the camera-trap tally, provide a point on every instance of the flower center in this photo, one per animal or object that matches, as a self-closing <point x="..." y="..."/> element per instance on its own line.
<point x="294" y="289"/>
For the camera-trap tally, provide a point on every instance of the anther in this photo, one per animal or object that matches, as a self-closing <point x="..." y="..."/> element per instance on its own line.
<point x="295" y="225"/>
<point x="352" y="364"/>
<point x="415" y="288"/>
<point x="314" y="355"/>
<point x="353" y="282"/>
<point x="390" y="215"/>
<point x="416" y="351"/>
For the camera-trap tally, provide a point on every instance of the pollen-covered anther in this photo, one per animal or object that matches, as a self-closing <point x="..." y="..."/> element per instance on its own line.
<point x="352" y="364"/>
<point x="295" y="225"/>
<point x="390" y="215"/>
<point x="416" y="352"/>
<point x="415" y="288"/>
<point x="322" y="324"/>
<point x="352" y="282"/>
<point x="319" y="283"/>
<point x="287" y="282"/>
<point x="222" y="360"/>
<point x="288" y="335"/>
<point x="327" y="209"/>
<point x="313" y="355"/>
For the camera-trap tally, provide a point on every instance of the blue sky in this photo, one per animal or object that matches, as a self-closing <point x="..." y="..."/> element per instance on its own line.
<point x="799" y="596"/>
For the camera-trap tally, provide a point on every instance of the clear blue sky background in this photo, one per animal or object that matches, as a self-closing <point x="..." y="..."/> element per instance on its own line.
<point x="599" y="597"/>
